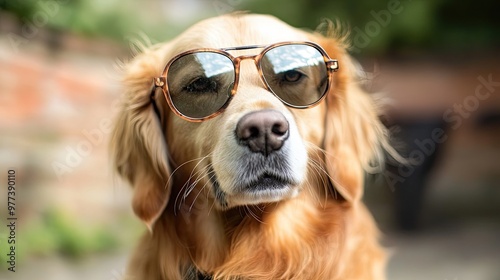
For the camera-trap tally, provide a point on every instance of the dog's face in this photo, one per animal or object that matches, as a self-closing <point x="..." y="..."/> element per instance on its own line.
<point x="258" y="150"/>
<point x="252" y="153"/>
<point x="255" y="151"/>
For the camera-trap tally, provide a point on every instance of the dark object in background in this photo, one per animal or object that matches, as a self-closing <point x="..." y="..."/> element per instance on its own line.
<point x="488" y="119"/>
<point x="410" y="186"/>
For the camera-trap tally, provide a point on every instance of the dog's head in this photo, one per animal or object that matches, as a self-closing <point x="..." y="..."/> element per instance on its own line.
<point x="259" y="144"/>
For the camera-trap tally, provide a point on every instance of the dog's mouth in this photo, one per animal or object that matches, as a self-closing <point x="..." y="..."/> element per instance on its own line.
<point x="267" y="182"/>
<point x="266" y="187"/>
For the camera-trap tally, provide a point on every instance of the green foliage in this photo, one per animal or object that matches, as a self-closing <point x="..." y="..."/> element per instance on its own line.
<point x="4" y="249"/>
<point x="422" y="24"/>
<point x="58" y="233"/>
<point x="75" y="240"/>
<point x="427" y="24"/>
<point x="62" y="234"/>
<point x="88" y="17"/>
<point x="19" y="8"/>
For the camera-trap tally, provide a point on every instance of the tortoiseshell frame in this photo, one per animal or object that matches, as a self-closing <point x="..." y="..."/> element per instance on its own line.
<point x="161" y="82"/>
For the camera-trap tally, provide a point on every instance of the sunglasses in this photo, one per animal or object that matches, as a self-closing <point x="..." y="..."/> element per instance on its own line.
<point x="199" y="84"/>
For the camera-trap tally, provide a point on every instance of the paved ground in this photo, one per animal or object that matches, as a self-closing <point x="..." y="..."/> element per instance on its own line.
<point x="467" y="252"/>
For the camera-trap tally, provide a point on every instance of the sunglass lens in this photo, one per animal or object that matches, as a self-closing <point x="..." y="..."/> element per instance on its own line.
<point x="200" y="84"/>
<point x="295" y="73"/>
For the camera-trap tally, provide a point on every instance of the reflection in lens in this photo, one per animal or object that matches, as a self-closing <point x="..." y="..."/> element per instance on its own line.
<point x="295" y="73"/>
<point x="200" y="84"/>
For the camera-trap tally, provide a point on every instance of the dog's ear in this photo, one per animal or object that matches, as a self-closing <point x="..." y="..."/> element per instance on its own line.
<point x="138" y="146"/>
<point x="353" y="134"/>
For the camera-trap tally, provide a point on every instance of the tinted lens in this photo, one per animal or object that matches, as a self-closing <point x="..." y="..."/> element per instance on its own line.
<point x="200" y="84"/>
<point x="295" y="73"/>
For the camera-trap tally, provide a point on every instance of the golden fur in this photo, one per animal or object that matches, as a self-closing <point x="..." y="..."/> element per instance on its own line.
<point x="325" y="232"/>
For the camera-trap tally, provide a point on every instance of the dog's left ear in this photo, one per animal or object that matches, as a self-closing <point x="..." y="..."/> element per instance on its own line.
<point x="353" y="134"/>
<point x="139" y="149"/>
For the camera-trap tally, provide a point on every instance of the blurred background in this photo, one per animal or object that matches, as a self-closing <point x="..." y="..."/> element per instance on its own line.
<point x="436" y="60"/>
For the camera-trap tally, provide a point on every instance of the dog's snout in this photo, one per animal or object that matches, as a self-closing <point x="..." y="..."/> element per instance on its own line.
<point x="263" y="131"/>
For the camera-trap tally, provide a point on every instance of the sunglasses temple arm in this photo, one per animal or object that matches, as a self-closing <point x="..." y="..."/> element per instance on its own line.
<point x="152" y="97"/>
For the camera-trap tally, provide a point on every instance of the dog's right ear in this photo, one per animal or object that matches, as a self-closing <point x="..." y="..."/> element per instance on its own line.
<point x="138" y="146"/>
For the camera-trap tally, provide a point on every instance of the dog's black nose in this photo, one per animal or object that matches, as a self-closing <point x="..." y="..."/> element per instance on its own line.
<point x="262" y="131"/>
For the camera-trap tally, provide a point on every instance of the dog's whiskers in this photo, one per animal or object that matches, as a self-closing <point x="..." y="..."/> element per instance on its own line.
<point x="250" y="213"/>
<point x="202" y="188"/>
<point x="318" y="167"/>
<point x="321" y="175"/>
<point x="188" y="187"/>
<point x="213" y="202"/>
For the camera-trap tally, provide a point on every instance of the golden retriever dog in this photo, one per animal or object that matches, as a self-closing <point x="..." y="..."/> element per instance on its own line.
<point x="246" y="142"/>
